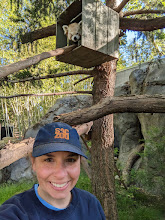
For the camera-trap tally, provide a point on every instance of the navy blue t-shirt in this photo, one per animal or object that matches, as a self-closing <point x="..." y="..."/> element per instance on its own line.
<point x="26" y="206"/>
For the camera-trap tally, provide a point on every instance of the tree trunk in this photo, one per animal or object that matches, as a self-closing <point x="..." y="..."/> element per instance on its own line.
<point x="102" y="151"/>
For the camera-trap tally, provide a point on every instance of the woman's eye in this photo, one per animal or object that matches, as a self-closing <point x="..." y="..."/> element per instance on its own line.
<point x="49" y="160"/>
<point x="71" y="160"/>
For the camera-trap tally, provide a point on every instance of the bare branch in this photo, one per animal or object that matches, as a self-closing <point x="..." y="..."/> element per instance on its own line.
<point x="39" y="34"/>
<point x="82" y="80"/>
<point x="23" y="64"/>
<point x="13" y="152"/>
<point x="121" y="6"/>
<point x="84" y="128"/>
<point x="128" y="13"/>
<point x="46" y="94"/>
<point x="110" y="105"/>
<point x="77" y="72"/>
<point x="142" y="25"/>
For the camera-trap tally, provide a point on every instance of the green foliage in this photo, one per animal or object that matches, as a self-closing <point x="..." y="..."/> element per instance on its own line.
<point x="8" y="190"/>
<point x="84" y="182"/>
<point x="134" y="205"/>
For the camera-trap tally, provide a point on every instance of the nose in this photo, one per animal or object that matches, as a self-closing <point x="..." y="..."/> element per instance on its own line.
<point x="59" y="170"/>
<point x="75" y="38"/>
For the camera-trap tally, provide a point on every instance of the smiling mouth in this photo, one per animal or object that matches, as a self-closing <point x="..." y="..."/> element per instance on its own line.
<point x="59" y="185"/>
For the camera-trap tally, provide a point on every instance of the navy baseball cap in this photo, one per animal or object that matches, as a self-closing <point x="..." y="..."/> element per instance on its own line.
<point x="55" y="137"/>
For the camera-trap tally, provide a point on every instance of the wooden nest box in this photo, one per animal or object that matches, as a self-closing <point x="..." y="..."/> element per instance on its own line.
<point x="100" y="33"/>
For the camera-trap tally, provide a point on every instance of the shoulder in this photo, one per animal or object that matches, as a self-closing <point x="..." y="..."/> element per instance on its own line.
<point x="88" y="202"/>
<point x="15" y="206"/>
<point x="20" y="197"/>
<point x="85" y="196"/>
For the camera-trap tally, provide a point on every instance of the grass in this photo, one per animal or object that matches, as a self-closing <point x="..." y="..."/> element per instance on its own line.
<point x="131" y="204"/>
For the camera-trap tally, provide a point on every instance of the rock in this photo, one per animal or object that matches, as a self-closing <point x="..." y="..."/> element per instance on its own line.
<point x="63" y="105"/>
<point x="21" y="169"/>
<point x="136" y="80"/>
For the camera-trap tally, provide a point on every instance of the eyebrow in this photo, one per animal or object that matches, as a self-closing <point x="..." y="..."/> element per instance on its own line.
<point x="49" y="155"/>
<point x="69" y="155"/>
<point x="72" y="155"/>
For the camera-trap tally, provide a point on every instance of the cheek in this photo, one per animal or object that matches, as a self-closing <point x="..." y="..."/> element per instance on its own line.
<point x="42" y="172"/>
<point x="74" y="172"/>
<point x="69" y="36"/>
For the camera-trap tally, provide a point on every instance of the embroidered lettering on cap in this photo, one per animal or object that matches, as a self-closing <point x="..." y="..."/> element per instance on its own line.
<point x="62" y="133"/>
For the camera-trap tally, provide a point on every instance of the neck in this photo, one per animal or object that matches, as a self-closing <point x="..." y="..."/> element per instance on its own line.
<point x="58" y="203"/>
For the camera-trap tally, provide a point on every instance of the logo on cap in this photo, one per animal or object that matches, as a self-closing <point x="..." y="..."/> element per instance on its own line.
<point x="61" y="133"/>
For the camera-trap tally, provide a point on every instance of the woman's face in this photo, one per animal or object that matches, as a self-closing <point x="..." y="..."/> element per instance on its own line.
<point x="57" y="174"/>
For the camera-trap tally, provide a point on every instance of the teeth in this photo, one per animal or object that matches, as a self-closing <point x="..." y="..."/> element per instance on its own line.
<point x="58" y="185"/>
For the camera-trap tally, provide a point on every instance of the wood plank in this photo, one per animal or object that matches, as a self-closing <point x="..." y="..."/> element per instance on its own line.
<point x="113" y="33"/>
<point x="61" y="39"/>
<point x="72" y="11"/>
<point x="88" y="23"/>
<point x="101" y="28"/>
<point x="84" y="57"/>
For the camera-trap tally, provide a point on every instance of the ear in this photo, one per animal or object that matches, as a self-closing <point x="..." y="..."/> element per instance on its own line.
<point x="32" y="162"/>
<point x="65" y="28"/>
<point x="80" y="24"/>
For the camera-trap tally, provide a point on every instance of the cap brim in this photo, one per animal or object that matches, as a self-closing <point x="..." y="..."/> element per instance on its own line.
<point x="55" y="147"/>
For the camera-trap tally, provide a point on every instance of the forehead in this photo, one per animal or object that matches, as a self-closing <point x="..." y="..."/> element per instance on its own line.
<point x="73" y="27"/>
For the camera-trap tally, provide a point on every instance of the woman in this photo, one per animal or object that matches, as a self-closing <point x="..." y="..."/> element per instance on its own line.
<point x="56" y="161"/>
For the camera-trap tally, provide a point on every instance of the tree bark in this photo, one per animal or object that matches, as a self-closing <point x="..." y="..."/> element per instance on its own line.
<point x="23" y="64"/>
<point x="38" y="34"/>
<point x="102" y="151"/>
<point x="137" y="12"/>
<point x="108" y="105"/>
<point x="121" y="6"/>
<point x="13" y="152"/>
<point x="142" y="25"/>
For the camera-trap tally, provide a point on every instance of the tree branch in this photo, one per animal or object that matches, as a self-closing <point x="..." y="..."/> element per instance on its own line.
<point x="121" y="6"/>
<point x="13" y="152"/>
<point x="50" y="76"/>
<point x="142" y="25"/>
<point x="38" y="34"/>
<point x="23" y="64"/>
<point x="46" y="94"/>
<point x="82" y="80"/>
<point x="135" y="12"/>
<point x="110" y="105"/>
